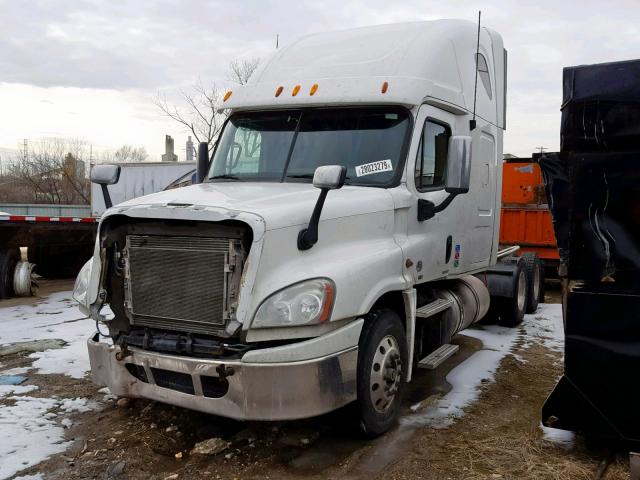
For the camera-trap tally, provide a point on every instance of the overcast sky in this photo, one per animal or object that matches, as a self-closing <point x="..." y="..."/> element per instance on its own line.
<point x="90" y="69"/>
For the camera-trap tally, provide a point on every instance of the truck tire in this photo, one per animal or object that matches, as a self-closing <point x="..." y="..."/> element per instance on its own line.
<point x="8" y="260"/>
<point x="510" y="310"/>
<point x="382" y="366"/>
<point x="535" y="280"/>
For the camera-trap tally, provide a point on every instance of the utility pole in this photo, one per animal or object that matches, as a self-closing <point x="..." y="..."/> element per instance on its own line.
<point x="542" y="149"/>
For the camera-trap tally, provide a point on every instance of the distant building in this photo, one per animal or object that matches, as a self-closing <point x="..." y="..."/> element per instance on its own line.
<point x="74" y="168"/>
<point x="190" y="150"/>
<point x="508" y="156"/>
<point x="168" y="155"/>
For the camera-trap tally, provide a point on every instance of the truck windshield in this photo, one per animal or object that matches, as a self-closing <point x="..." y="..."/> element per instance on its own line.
<point x="287" y="146"/>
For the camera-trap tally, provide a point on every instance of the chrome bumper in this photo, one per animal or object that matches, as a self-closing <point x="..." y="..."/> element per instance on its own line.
<point x="255" y="391"/>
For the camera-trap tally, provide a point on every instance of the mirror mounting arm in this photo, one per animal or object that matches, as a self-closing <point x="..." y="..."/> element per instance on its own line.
<point x="107" y="197"/>
<point x="427" y="209"/>
<point x="308" y="237"/>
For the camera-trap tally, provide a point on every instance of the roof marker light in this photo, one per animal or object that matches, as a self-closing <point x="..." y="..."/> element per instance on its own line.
<point x="314" y="89"/>
<point x="385" y="87"/>
<point x="279" y="90"/>
<point x="226" y="96"/>
<point x="295" y="91"/>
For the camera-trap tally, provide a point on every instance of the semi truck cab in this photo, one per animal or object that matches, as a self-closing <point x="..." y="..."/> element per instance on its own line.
<point x="345" y="229"/>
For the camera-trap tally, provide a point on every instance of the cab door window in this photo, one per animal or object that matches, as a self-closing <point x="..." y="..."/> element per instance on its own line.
<point x="431" y="162"/>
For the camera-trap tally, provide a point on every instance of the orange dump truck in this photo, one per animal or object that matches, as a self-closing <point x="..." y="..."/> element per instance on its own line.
<point x="526" y="220"/>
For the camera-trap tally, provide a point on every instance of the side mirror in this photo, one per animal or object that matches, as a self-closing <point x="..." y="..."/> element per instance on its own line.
<point x="105" y="175"/>
<point x="329" y="177"/>
<point x="457" y="180"/>
<point x="458" y="165"/>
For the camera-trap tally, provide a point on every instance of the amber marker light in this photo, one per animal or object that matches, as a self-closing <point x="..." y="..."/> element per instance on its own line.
<point x="279" y="90"/>
<point x="314" y="89"/>
<point x="295" y="91"/>
<point x="227" y="96"/>
<point x="385" y="87"/>
<point x="328" y="302"/>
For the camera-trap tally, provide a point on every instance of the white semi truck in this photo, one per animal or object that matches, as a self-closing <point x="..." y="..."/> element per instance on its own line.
<point x="345" y="229"/>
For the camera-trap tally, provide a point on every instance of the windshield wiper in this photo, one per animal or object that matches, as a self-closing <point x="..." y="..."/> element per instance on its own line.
<point x="226" y="176"/>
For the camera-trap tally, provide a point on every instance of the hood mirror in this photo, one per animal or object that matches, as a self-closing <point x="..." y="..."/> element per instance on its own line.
<point x="104" y="175"/>
<point x="328" y="177"/>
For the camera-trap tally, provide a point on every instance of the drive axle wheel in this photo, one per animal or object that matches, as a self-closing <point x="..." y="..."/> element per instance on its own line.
<point x="511" y="309"/>
<point x="535" y="280"/>
<point x="382" y="360"/>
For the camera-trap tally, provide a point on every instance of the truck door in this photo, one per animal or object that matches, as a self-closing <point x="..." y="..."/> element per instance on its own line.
<point x="458" y="239"/>
<point x="431" y="245"/>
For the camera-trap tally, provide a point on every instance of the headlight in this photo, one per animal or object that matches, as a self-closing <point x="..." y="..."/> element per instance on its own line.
<point x="82" y="283"/>
<point x="304" y="303"/>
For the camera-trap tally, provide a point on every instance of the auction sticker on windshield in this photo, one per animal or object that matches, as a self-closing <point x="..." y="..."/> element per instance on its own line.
<point x="374" y="167"/>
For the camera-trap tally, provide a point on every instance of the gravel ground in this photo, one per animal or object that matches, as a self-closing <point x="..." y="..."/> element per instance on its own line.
<point x="476" y="417"/>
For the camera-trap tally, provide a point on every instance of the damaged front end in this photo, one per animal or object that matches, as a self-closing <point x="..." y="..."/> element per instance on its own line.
<point x="173" y="286"/>
<point x="179" y="300"/>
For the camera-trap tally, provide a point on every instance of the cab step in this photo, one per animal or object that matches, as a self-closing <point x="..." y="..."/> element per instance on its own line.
<point x="439" y="355"/>
<point x="434" y="307"/>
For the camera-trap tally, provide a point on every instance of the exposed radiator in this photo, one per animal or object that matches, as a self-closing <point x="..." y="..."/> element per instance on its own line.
<point x="181" y="283"/>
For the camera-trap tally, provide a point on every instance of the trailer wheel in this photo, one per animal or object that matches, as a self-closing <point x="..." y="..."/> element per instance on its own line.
<point x="535" y="280"/>
<point x="8" y="261"/>
<point x="511" y="310"/>
<point x="382" y="361"/>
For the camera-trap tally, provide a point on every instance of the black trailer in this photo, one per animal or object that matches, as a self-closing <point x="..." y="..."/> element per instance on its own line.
<point x="593" y="187"/>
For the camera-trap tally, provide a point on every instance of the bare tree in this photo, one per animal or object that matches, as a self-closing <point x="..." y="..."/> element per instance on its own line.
<point x="126" y="153"/>
<point x="241" y="70"/>
<point x="198" y="109"/>
<point x="52" y="171"/>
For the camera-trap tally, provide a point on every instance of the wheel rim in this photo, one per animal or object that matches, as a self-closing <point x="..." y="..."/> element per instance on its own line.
<point x="386" y="374"/>
<point x="522" y="290"/>
<point x="536" y="282"/>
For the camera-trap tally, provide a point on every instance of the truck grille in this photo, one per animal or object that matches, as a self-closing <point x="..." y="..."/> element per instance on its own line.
<point x="180" y="283"/>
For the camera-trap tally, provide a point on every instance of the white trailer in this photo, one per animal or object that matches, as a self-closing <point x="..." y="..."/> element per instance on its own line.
<point x="346" y="229"/>
<point x="137" y="180"/>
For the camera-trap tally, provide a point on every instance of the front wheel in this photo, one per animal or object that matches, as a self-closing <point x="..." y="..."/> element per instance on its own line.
<point x="382" y="366"/>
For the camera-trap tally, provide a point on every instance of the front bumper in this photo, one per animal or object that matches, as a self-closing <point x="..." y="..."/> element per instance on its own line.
<point x="253" y="391"/>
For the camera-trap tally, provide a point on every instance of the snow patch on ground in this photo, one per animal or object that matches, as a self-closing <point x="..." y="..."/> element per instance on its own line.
<point x="57" y="317"/>
<point x="543" y="327"/>
<point x="29" y="435"/>
<point x="16" y="389"/>
<point x="562" y="438"/>
<point x="33" y="428"/>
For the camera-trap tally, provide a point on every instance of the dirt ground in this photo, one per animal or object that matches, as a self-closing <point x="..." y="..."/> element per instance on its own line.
<point x="497" y="438"/>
